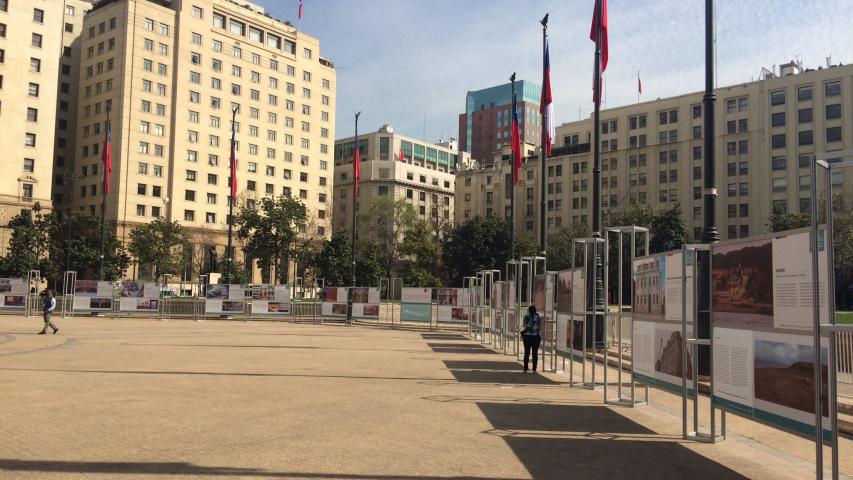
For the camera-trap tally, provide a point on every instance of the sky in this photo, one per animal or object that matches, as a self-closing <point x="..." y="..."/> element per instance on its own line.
<point x="409" y="63"/>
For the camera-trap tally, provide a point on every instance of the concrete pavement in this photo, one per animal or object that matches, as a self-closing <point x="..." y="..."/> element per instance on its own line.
<point x="141" y="398"/>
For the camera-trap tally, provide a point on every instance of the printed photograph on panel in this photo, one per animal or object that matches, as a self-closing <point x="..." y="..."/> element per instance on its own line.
<point x="231" y="306"/>
<point x="263" y="292"/>
<point x="339" y="309"/>
<point x="784" y="375"/>
<point x="370" y="310"/>
<point x="88" y="288"/>
<point x="360" y="294"/>
<point x="539" y="293"/>
<point x="742" y="277"/>
<point x="330" y="294"/>
<point x="458" y="314"/>
<point x="130" y="288"/>
<point x="576" y="332"/>
<point x="13" y="301"/>
<point x="217" y="291"/>
<point x="669" y="349"/>
<point x="649" y="288"/>
<point x="564" y="292"/>
<point x="448" y="296"/>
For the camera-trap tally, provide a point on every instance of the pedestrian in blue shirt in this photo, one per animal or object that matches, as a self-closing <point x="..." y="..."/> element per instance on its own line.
<point x="530" y="336"/>
<point x="49" y="306"/>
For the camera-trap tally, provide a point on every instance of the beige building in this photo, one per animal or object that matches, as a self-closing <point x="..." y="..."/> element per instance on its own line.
<point x="398" y="166"/>
<point x="173" y="72"/>
<point x="31" y="44"/>
<point x="66" y="105"/>
<point x="766" y="132"/>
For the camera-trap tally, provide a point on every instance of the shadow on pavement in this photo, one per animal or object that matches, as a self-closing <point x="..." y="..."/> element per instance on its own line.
<point x="481" y="365"/>
<point x="184" y="468"/>
<point x="594" y="442"/>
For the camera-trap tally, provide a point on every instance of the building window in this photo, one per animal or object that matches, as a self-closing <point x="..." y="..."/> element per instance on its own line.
<point x="780" y="185"/>
<point x="38" y="15"/>
<point x="805" y="115"/>
<point x="779" y="163"/>
<point x="777" y="97"/>
<point x="832" y="89"/>
<point x="833" y="134"/>
<point x="30" y="140"/>
<point x="778" y="141"/>
<point x="833" y="111"/>
<point x="806" y="137"/>
<point x="804" y="93"/>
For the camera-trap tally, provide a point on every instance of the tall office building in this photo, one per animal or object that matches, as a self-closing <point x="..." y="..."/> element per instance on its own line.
<point x="486" y="124"/>
<point x="66" y="104"/>
<point x="652" y="154"/>
<point x="397" y="166"/>
<point x="32" y="36"/>
<point x="173" y="72"/>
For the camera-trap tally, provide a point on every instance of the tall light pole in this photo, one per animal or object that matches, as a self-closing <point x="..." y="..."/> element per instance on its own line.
<point x="232" y="198"/>
<point x="709" y="224"/>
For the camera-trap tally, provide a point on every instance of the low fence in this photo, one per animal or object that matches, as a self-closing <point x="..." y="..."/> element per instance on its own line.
<point x="845" y="356"/>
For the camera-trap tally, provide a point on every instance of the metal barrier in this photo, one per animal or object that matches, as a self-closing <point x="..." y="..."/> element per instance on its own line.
<point x="844" y="350"/>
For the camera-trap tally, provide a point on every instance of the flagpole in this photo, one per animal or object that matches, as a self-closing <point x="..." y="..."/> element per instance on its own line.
<point x="514" y="180"/>
<point x="598" y="303"/>
<point x="356" y="173"/>
<point x="542" y="150"/>
<point x="228" y="254"/>
<point x="104" y="199"/>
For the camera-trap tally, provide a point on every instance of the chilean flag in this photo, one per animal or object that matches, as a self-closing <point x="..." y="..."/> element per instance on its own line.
<point x="516" y="143"/>
<point x="599" y="32"/>
<point x="233" y="169"/>
<point x="356" y="168"/>
<point x="402" y="155"/>
<point x="107" y="159"/>
<point x="546" y="106"/>
<point x="300" y="9"/>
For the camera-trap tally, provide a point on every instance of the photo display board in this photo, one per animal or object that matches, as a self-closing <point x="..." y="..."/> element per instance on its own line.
<point x="543" y="300"/>
<point x="762" y="314"/>
<point x="497" y="303"/>
<point x="225" y="299"/>
<point x="271" y="300"/>
<point x="334" y="302"/>
<point x="136" y="296"/>
<point x="93" y="296"/>
<point x="658" y="308"/>
<point x="416" y="305"/>
<point x="509" y="303"/>
<point x="365" y="303"/>
<point x="453" y="305"/>
<point x="14" y="291"/>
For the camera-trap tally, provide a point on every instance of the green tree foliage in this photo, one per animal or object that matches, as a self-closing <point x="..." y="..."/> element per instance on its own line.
<point x="159" y="244"/>
<point x="780" y="221"/>
<point x="422" y="248"/>
<point x="41" y="242"/>
<point x="269" y="232"/>
<point x="666" y="226"/>
<point x="368" y="266"/>
<point x="481" y="243"/>
<point x="334" y="262"/>
<point x="384" y="222"/>
<point x="239" y="274"/>
<point x="561" y="245"/>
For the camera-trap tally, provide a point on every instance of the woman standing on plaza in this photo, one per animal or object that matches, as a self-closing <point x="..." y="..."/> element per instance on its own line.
<point x="530" y="336"/>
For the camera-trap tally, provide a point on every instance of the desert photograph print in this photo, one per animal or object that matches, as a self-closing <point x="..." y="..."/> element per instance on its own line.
<point x="742" y="276"/>
<point x="784" y="375"/>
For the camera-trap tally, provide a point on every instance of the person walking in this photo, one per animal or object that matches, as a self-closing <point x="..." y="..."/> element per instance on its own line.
<point x="530" y="336"/>
<point x="49" y="306"/>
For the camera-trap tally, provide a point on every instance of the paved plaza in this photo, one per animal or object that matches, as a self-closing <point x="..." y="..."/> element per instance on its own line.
<point x="142" y="398"/>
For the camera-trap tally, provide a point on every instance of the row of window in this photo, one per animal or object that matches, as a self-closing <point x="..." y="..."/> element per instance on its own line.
<point x="805" y="93"/>
<point x="806" y="115"/>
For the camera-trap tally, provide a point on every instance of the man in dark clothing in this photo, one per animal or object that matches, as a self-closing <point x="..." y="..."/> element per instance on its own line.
<point x="49" y="306"/>
<point x="530" y="336"/>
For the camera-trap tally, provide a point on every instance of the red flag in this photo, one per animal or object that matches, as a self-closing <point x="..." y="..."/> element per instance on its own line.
<point x="402" y="155"/>
<point x="233" y="169"/>
<point x="594" y="32"/>
<point x="546" y="105"/>
<point x="356" y="168"/>
<point x="300" y="9"/>
<point x="639" y="84"/>
<point x="516" y="142"/>
<point x="107" y="159"/>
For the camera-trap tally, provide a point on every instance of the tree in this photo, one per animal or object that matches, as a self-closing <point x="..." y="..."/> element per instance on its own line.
<point x="561" y="245"/>
<point x="334" y="262"/>
<point x="270" y="231"/>
<point x="85" y="247"/>
<point x="385" y="223"/>
<point x="781" y="221"/>
<point x="239" y="274"/>
<point x="479" y="244"/>
<point x="28" y="245"/>
<point x="159" y="244"/>
<point x="666" y="227"/>
<point x="368" y="266"/>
